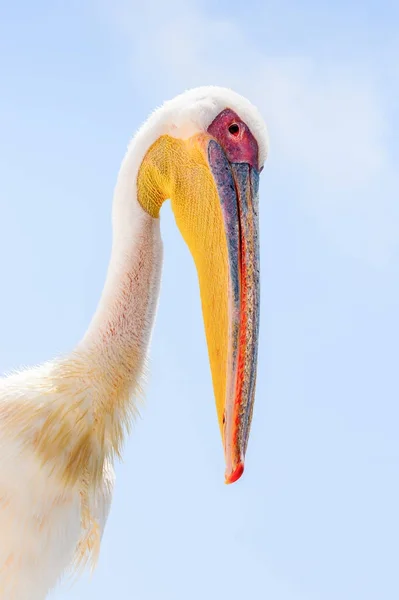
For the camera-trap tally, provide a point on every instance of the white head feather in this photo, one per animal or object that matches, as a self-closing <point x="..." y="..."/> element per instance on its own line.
<point x="190" y="113"/>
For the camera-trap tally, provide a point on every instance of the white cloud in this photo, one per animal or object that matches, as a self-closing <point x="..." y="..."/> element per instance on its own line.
<point x="327" y="121"/>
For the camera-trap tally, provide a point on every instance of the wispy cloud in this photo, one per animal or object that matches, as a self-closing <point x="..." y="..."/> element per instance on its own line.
<point x="328" y="120"/>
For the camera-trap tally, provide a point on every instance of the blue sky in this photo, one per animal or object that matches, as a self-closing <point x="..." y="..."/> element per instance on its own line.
<point x="316" y="515"/>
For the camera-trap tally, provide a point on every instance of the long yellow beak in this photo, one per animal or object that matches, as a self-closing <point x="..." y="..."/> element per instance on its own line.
<point x="215" y="204"/>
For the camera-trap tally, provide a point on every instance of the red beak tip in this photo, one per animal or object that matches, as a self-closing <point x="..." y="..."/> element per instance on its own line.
<point x="235" y="474"/>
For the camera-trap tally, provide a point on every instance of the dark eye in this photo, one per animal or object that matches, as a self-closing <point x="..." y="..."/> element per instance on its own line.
<point x="234" y="129"/>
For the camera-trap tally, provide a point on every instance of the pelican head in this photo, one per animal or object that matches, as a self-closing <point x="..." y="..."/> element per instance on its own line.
<point x="204" y="150"/>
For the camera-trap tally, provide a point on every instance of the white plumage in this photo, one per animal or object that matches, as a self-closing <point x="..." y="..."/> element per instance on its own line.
<point x="63" y="423"/>
<point x="41" y="521"/>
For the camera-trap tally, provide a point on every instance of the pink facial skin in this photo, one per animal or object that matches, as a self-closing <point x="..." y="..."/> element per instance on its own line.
<point x="235" y="138"/>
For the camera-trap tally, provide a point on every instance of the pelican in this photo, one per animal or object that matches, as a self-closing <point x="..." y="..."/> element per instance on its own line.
<point x="63" y="423"/>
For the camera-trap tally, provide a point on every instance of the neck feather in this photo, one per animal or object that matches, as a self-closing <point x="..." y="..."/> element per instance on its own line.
<point x="117" y="340"/>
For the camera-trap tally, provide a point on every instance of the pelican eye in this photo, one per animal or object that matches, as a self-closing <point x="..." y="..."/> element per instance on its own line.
<point x="234" y="129"/>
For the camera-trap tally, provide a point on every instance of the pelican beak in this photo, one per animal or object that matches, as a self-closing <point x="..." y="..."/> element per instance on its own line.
<point x="237" y="186"/>
<point x="215" y="204"/>
<point x="219" y="221"/>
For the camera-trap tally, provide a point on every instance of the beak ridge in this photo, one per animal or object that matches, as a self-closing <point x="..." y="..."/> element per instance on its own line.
<point x="237" y="186"/>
